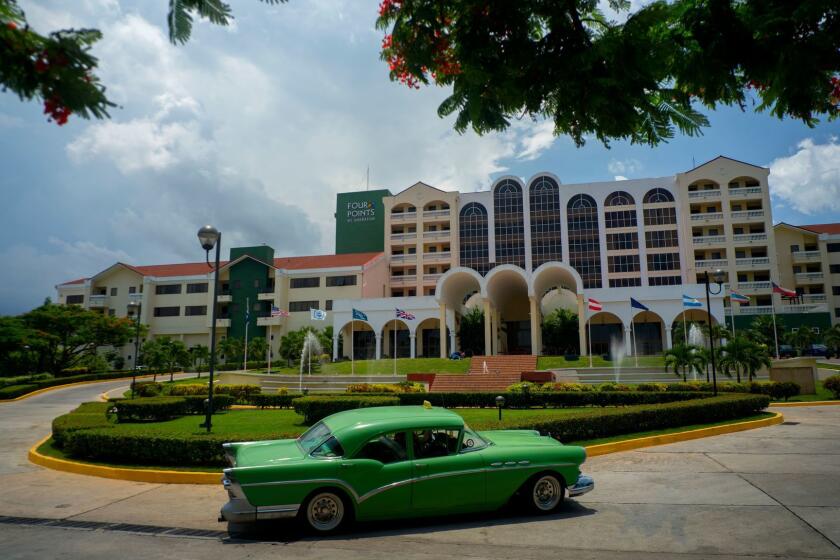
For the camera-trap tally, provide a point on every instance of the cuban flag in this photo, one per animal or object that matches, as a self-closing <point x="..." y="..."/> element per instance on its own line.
<point x="691" y="302"/>
<point x="738" y="297"/>
<point x="595" y="305"/>
<point x="404" y="315"/>
<point x="359" y="316"/>
<point x="277" y="312"/>
<point x="784" y="291"/>
<point x="637" y="305"/>
<point x="317" y="315"/>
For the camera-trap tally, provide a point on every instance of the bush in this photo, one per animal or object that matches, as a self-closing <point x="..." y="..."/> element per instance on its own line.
<point x="74" y="371"/>
<point x="240" y="393"/>
<point x="54" y="382"/>
<point x="833" y="384"/>
<point x="86" y="416"/>
<point x="156" y="409"/>
<point x="314" y="409"/>
<point x="568" y="387"/>
<point x="614" y="387"/>
<point x="23" y="379"/>
<point x="404" y="387"/>
<point x="283" y="400"/>
<point x="282" y="391"/>
<point x="571" y="357"/>
<point x="523" y="387"/>
<point x="547" y="399"/>
<point x="655" y="387"/>
<point x="184" y="389"/>
<point x="15" y="391"/>
<point x="151" y="449"/>
<point x="784" y="390"/>
<point x="147" y="389"/>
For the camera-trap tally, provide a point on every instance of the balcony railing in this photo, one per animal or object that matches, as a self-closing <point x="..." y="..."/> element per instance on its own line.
<point x="800" y="256"/>
<point x="403" y="280"/>
<point x="404" y="236"/>
<point x="813" y="298"/>
<point x="98" y="300"/>
<point x="752" y="261"/>
<point x="748" y="215"/>
<point x="753" y="286"/>
<point x="266" y="296"/>
<point x="436" y="213"/>
<point x="427" y="278"/>
<point x="779" y="309"/>
<point x="437" y="234"/>
<point x="707" y="217"/>
<point x="808" y="277"/>
<point x="744" y="191"/>
<point x="409" y="257"/>
<point x="713" y="193"/>
<point x="709" y="239"/>
<point x="749" y="237"/>
<point x="403" y="216"/>
<point x="711" y="263"/>
<point x="439" y="256"/>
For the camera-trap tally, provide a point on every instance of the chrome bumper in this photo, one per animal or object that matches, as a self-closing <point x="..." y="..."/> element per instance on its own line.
<point x="583" y="485"/>
<point x="239" y="510"/>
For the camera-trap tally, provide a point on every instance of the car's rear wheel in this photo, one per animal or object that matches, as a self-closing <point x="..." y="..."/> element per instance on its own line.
<point x="545" y="493"/>
<point x="325" y="512"/>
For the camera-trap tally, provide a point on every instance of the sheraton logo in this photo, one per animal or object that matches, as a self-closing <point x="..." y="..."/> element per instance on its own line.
<point x="361" y="211"/>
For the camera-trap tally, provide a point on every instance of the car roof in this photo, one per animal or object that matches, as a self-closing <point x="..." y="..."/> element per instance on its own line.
<point x="352" y="428"/>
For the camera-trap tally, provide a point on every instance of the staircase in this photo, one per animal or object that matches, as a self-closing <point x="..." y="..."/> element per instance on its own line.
<point x="500" y="373"/>
<point x="503" y="364"/>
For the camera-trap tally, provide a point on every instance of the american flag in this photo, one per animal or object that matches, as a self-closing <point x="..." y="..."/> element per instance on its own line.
<point x="277" y="312"/>
<point x="404" y="315"/>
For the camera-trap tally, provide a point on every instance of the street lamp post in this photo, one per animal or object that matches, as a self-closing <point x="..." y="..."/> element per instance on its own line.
<point x="500" y="402"/>
<point x="718" y="280"/>
<point x="210" y="237"/>
<point x="136" y="307"/>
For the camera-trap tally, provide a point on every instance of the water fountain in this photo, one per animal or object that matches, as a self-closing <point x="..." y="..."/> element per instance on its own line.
<point x="617" y="353"/>
<point x="695" y="336"/>
<point x="311" y="348"/>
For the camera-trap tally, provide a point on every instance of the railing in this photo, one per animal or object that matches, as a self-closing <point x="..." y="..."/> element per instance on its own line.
<point x="753" y="285"/>
<point x="98" y="300"/>
<point x="801" y="308"/>
<point x="403" y="216"/>
<point x="713" y="193"/>
<point x="431" y="277"/>
<point x="707" y="217"/>
<point x="711" y="263"/>
<point x="136" y="297"/>
<point x="709" y="239"/>
<point x="744" y="191"/>
<point x="403" y="236"/>
<point x="749" y="237"/>
<point x="402" y="280"/>
<point x="808" y="276"/>
<point x="437" y="233"/>
<point x="439" y="256"/>
<point x="806" y="256"/>
<point x="813" y="298"/>
<point x="747" y="214"/>
<point x="753" y="261"/>
<point x="753" y="310"/>
<point x="779" y="309"/>
<point x="436" y="213"/>
<point x="266" y="296"/>
<point x="404" y="258"/>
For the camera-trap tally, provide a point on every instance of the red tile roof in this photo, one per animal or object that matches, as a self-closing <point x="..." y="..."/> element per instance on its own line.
<point x="822" y="228"/>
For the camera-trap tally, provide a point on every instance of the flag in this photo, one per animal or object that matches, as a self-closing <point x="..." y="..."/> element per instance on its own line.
<point x="595" y="305"/>
<point x="404" y="315"/>
<point x="784" y="291"/>
<point x="359" y="316"/>
<point x="691" y="302"/>
<point x="636" y="305"/>
<point x="277" y="312"/>
<point x="738" y="297"/>
<point x="317" y="315"/>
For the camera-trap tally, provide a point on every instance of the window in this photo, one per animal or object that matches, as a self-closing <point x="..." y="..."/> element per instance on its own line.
<point x="312" y="282"/>
<point x="584" y="245"/>
<point x="471" y="441"/>
<point x="195" y="310"/>
<point x="660" y="216"/>
<point x="623" y="218"/>
<point x="113" y="291"/>
<point x="76" y="299"/>
<point x="619" y="198"/>
<point x="328" y="305"/>
<point x="167" y="289"/>
<point x="300" y="306"/>
<point x="173" y="311"/>
<point x="435" y="443"/>
<point x="387" y="448"/>
<point x="509" y="223"/>
<point x="657" y="195"/>
<point x="112" y="313"/>
<point x="545" y="221"/>
<point x="197" y="288"/>
<point x="834" y="268"/>
<point x="663" y="261"/>
<point x="623" y="263"/>
<point x="313" y="436"/>
<point x="664" y="280"/>
<point x="334" y="281"/>
<point x="665" y="238"/>
<point x="474" y="243"/>
<point x="833" y="247"/>
<point x="625" y="282"/>
<point x="837" y="311"/>
<point x="835" y="290"/>
<point x="330" y="448"/>
<point x="794" y="248"/>
<point x="132" y="289"/>
<point x="622" y="241"/>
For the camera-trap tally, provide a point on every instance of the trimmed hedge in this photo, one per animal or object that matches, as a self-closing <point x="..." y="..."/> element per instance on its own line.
<point x="85" y="416"/>
<point x="547" y="399"/>
<point x="314" y="409"/>
<point x="24" y="379"/>
<point x="406" y="387"/>
<point x="272" y="401"/>
<point x="15" y="391"/>
<point x="55" y="382"/>
<point x="155" y="409"/>
<point x="833" y="384"/>
<point x="150" y="449"/>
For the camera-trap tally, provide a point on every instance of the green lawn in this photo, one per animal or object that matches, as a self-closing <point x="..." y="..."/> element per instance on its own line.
<point x="825" y="365"/>
<point x="385" y="367"/>
<point x="559" y="362"/>
<point x="822" y="394"/>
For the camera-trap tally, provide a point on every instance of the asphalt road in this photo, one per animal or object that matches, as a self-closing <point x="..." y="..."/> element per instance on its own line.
<point x="767" y="493"/>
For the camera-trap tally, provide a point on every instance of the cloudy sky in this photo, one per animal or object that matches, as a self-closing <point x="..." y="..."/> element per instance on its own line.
<point x="254" y="128"/>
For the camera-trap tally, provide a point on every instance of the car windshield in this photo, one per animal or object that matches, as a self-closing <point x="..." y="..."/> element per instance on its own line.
<point x="471" y="441"/>
<point x="313" y="436"/>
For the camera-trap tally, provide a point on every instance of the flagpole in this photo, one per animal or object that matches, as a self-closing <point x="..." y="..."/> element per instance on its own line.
<point x="775" y="332"/>
<point x="247" y="320"/>
<point x="685" y="330"/>
<point x="394" y="334"/>
<point x="733" y="314"/>
<point x="352" y="348"/>
<point x="635" y="346"/>
<point x="269" y="345"/>
<point x="590" y="342"/>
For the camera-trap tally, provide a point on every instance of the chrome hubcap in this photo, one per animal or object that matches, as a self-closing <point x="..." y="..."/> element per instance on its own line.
<point x="547" y="493"/>
<point x="325" y="511"/>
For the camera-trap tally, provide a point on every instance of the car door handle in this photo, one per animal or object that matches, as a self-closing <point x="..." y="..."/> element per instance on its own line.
<point x="346" y="465"/>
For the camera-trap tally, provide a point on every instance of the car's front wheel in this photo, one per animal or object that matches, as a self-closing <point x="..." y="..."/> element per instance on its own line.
<point x="325" y="512"/>
<point x="545" y="493"/>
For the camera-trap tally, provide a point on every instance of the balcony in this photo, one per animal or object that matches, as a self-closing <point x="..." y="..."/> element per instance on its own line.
<point x="266" y="321"/>
<point x="409" y="257"/>
<point x="752" y="262"/>
<point x="813" y="298"/>
<point x="221" y="323"/>
<point x="404" y="280"/>
<point x="711" y="263"/>
<point x="224" y="298"/>
<point x="707" y="217"/>
<point x="98" y="300"/>
<point x="750" y="238"/>
<point x="748" y="215"/>
<point x="439" y="234"/>
<point x="136" y="297"/>
<point x="433" y="214"/>
<point x="704" y="195"/>
<point x="431" y="278"/>
<point x="404" y="217"/>
<point x="806" y="256"/>
<point x="410" y="236"/>
<point x="754" y="286"/>
<point x="809" y="277"/>
<point x="709" y="239"/>
<point x="780" y="309"/>
<point x="266" y="296"/>
<point x="442" y="256"/>
<point x="744" y="192"/>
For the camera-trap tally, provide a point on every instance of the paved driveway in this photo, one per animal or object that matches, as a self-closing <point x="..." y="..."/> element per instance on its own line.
<point x="767" y="493"/>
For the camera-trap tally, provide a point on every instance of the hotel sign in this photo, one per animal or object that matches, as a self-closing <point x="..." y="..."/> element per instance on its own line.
<point x="360" y="222"/>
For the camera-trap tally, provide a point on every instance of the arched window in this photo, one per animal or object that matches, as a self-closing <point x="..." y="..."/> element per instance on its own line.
<point x="656" y="195"/>
<point x="474" y="241"/>
<point x="584" y="244"/>
<point x="620" y="198"/>
<point x="546" y="241"/>
<point x="509" y="223"/>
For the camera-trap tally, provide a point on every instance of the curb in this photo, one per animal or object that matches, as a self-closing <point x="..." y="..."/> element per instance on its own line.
<point x="193" y="477"/>
<point x="805" y="403"/>
<point x="650" y="441"/>
<point x="66" y="385"/>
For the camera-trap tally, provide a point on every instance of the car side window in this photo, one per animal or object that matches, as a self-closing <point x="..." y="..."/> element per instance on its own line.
<point x="387" y="448"/>
<point x="330" y="448"/>
<point x="435" y="443"/>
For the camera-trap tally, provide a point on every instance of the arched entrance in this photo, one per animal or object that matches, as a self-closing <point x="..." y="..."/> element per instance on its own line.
<point x="427" y="339"/>
<point x="358" y="337"/>
<point x="607" y="331"/>
<point x="396" y="339"/>
<point x="507" y="292"/>
<point x="554" y="285"/>
<point x="460" y="289"/>
<point x="648" y="330"/>
<point x="681" y="325"/>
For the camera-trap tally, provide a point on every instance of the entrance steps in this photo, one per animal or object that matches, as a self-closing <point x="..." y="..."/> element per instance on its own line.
<point x="474" y="382"/>
<point x="503" y="364"/>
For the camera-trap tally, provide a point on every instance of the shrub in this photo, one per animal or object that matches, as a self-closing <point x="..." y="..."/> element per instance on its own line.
<point x="86" y="416"/>
<point x="655" y="387"/>
<point x="314" y="409"/>
<point x="195" y="403"/>
<point x="147" y="389"/>
<point x="833" y="384"/>
<point x="282" y="391"/>
<point x="15" y="391"/>
<point x="184" y="389"/>
<point x="239" y="392"/>
<point x="151" y="449"/>
<point x="682" y="387"/>
<point x="547" y="399"/>
<point x="523" y="387"/>
<point x="283" y="400"/>
<point x="156" y="409"/>
<point x="23" y="379"/>
<point x="568" y="387"/>
<point x="404" y="387"/>
<point x="571" y="357"/>
<point x="784" y="390"/>
<point x="74" y="371"/>
<point x="614" y="387"/>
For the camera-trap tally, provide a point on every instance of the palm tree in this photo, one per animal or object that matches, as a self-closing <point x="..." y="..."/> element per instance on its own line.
<point x="231" y="348"/>
<point x="761" y="330"/>
<point x="744" y="356"/>
<point x="832" y="339"/>
<point x="684" y="358"/>
<point x="258" y="346"/>
<point x="200" y="356"/>
<point x="801" y="339"/>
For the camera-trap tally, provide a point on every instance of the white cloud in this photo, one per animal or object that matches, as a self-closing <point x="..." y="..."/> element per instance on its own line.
<point x="539" y="139"/>
<point x="809" y="180"/>
<point x="620" y="178"/>
<point x="624" y="167"/>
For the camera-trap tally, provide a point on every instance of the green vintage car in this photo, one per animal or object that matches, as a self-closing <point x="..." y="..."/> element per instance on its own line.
<point x="400" y="461"/>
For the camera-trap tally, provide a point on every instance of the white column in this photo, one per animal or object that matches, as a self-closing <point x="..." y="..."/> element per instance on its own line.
<point x="335" y="346"/>
<point x="411" y="338"/>
<point x="668" y="343"/>
<point x="488" y="333"/>
<point x="442" y="327"/>
<point x="628" y="342"/>
<point x="378" y="346"/>
<point x="584" y="350"/>
<point x="535" y="326"/>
